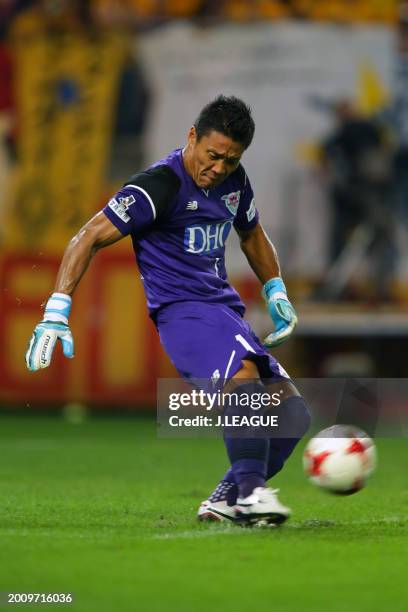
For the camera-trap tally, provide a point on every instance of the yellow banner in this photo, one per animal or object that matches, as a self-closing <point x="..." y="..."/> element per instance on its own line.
<point x="354" y="11"/>
<point x="66" y="90"/>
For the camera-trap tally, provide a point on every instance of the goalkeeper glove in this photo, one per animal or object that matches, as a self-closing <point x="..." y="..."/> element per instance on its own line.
<point x="280" y="310"/>
<point x="53" y="327"/>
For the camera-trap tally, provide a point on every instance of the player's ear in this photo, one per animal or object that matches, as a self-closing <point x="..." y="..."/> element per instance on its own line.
<point x="192" y="136"/>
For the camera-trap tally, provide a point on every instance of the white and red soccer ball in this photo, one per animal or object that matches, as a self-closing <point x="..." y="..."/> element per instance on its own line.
<point x="339" y="459"/>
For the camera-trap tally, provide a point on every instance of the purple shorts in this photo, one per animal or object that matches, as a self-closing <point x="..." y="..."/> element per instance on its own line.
<point x="209" y="341"/>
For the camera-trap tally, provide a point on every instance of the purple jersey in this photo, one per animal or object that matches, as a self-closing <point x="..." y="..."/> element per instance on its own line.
<point x="179" y="231"/>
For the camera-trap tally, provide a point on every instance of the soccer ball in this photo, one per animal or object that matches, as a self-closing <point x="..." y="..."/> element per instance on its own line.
<point x="339" y="459"/>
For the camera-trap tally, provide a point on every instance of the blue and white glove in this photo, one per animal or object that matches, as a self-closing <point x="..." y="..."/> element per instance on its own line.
<point x="280" y="310"/>
<point x="53" y="327"/>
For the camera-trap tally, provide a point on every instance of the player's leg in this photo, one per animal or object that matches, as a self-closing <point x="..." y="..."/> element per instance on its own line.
<point x="221" y="503"/>
<point x="248" y="456"/>
<point x="263" y="505"/>
<point x="281" y="448"/>
<point x="255" y="459"/>
<point x="213" y="342"/>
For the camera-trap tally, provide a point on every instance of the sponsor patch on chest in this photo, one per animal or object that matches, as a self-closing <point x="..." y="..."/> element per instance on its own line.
<point x="206" y="238"/>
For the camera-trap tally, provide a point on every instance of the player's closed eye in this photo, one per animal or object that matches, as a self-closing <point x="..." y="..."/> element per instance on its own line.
<point x="229" y="161"/>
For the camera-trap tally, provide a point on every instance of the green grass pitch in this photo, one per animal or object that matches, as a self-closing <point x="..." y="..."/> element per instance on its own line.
<point x="105" y="510"/>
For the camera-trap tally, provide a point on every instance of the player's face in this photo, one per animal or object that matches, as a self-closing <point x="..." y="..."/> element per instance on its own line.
<point x="211" y="159"/>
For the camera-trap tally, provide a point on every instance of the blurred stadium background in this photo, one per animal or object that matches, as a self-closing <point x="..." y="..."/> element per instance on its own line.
<point x="92" y="91"/>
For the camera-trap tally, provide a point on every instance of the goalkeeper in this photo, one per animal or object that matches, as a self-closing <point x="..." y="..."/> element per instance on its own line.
<point x="179" y="213"/>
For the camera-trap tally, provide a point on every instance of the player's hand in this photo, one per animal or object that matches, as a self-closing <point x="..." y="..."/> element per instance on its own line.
<point x="43" y="342"/>
<point x="280" y="310"/>
<point x="52" y="328"/>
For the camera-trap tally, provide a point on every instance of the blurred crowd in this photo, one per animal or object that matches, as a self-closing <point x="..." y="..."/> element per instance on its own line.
<point x="364" y="163"/>
<point x="144" y="12"/>
<point x="363" y="160"/>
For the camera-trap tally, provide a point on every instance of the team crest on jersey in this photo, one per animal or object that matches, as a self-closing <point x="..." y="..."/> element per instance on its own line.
<point x="232" y="201"/>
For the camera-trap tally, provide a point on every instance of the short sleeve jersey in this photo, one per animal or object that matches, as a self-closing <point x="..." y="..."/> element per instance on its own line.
<point x="179" y="231"/>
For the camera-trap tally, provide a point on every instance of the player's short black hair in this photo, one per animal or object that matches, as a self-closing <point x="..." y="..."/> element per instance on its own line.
<point x="229" y="116"/>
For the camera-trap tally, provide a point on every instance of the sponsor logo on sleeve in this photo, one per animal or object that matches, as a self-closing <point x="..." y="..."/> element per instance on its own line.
<point x="251" y="212"/>
<point x="120" y="207"/>
<point x="232" y="201"/>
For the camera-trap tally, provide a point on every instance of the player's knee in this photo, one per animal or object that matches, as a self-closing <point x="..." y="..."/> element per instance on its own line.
<point x="247" y="404"/>
<point x="249" y="370"/>
<point x="294" y="417"/>
<point x="241" y="399"/>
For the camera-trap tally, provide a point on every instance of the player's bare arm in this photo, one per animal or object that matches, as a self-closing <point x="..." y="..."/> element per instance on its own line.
<point x="260" y="253"/>
<point x="97" y="233"/>
<point x="263" y="259"/>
